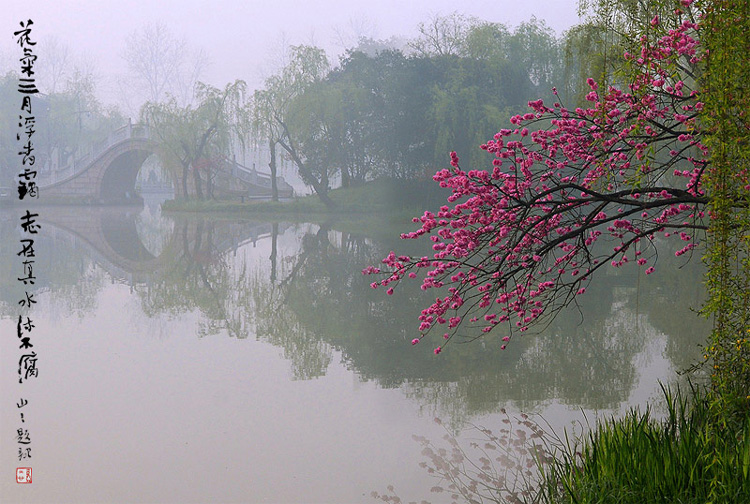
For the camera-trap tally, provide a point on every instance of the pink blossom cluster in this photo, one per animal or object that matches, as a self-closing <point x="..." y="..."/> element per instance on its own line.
<point x="591" y="186"/>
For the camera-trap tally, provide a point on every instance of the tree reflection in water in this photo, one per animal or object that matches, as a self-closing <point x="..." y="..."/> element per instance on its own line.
<point x="299" y="287"/>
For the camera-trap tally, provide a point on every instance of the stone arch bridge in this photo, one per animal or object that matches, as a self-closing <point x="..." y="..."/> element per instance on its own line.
<point x="107" y="172"/>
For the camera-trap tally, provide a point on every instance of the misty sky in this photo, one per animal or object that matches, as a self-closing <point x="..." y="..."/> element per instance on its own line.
<point x="239" y="37"/>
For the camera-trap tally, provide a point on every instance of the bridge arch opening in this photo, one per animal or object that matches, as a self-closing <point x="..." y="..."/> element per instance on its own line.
<point x="134" y="174"/>
<point x="136" y="236"/>
<point x="121" y="234"/>
<point x="154" y="180"/>
<point x="154" y="231"/>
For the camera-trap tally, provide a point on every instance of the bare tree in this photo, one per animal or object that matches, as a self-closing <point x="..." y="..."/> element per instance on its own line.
<point x="163" y="65"/>
<point x="359" y="28"/>
<point x="154" y="56"/>
<point x="443" y="35"/>
<point x="54" y="64"/>
<point x="189" y="74"/>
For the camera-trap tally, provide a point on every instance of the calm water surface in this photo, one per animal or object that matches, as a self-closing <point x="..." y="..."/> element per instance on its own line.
<point x="196" y="359"/>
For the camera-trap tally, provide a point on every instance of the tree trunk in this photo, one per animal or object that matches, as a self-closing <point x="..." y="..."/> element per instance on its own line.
<point x="210" y="175"/>
<point x="272" y="166"/>
<point x="328" y="202"/>
<point x="345" y="177"/>
<point x="198" y="183"/>
<point x="321" y="188"/>
<point x="324" y="179"/>
<point x="274" y="240"/>
<point x="184" y="182"/>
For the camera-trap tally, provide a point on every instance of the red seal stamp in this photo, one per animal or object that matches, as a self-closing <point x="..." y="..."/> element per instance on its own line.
<point x="23" y="474"/>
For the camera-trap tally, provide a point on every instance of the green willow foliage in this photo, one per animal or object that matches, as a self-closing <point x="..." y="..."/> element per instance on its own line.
<point x="723" y="126"/>
<point x="727" y="132"/>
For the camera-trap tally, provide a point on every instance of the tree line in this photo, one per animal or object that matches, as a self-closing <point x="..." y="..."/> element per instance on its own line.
<point x="383" y="111"/>
<point x="398" y="112"/>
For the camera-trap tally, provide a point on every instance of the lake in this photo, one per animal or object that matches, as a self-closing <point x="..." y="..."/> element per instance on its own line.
<point x="205" y="359"/>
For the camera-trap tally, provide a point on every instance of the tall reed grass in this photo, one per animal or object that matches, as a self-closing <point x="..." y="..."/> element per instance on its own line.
<point x="700" y="453"/>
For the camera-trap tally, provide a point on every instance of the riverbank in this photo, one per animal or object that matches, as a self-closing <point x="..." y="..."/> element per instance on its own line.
<point x="382" y="196"/>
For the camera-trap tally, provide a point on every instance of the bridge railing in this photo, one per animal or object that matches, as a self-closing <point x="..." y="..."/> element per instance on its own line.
<point x="146" y="187"/>
<point x="255" y="177"/>
<point x="83" y="159"/>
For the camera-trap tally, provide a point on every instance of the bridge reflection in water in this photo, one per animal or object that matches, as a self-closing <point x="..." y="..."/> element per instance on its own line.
<point x="119" y="241"/>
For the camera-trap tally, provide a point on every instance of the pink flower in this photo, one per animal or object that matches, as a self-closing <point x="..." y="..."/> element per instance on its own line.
<point x="513" y="212"/>
<point x="415" y="341"/>
<point x="454" y="159"/>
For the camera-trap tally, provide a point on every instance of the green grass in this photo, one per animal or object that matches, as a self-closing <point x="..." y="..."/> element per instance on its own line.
<point x="699" y="454"/>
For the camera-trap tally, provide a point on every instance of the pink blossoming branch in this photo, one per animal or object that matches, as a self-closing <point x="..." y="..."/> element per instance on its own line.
<point x="569" y="192"/>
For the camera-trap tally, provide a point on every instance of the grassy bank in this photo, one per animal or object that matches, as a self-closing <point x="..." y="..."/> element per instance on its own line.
<point x="700" y="453"/>
<point x="379" y="196"/>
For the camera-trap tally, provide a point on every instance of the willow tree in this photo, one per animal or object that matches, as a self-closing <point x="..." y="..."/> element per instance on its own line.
<point x="266" y="129"/>
<point x="726" y="128"/>
<point x="271" y="112"/>
<point x="188" y="134"/>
